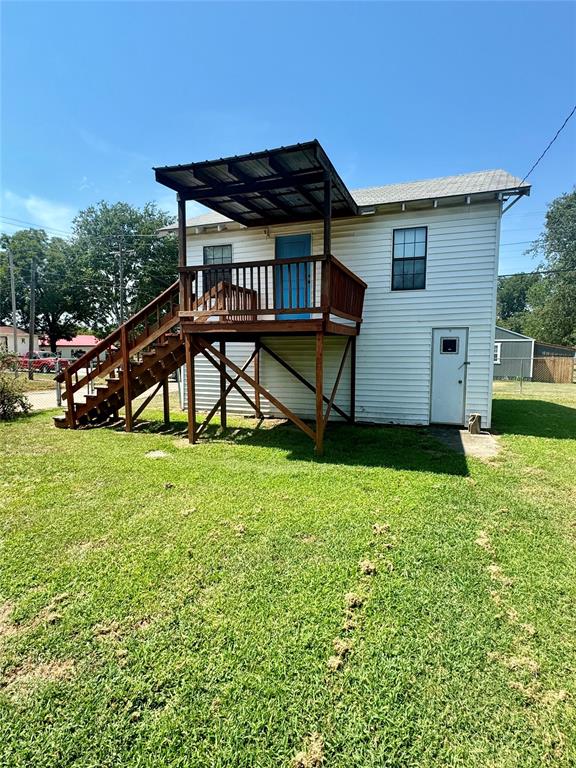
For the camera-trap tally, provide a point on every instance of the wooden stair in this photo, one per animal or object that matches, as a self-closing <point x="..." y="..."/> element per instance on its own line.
<point x="140" y="354"/>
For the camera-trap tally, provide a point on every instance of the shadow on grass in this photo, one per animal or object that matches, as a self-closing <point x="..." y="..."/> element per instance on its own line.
<point x="537" y="418"/>
<point x="410" y="449"/>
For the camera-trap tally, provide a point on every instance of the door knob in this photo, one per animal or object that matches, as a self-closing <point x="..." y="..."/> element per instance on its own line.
<point x="459" y="381"/>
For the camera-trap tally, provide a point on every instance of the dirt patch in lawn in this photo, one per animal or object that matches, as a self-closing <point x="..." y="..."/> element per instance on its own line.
<point x="7" y="626"/>
<point x="312" y="756"/>
<point x="24" y="679"/>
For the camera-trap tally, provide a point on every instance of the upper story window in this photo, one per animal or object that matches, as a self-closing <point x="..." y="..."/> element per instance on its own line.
<point x="409" y="258"/>
<point x="217" y="254"/>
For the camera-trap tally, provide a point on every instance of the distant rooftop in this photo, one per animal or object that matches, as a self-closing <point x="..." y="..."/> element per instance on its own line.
<point x="477" y="183"/>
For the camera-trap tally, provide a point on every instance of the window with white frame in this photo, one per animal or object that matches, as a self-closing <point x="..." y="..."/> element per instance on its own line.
<point x="409" y="258"/>
<point x="497" y="352"/>
<point x="217" y="255"/>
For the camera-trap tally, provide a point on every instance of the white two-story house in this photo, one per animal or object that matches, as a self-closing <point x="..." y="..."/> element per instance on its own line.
<point x="428" y="254"/>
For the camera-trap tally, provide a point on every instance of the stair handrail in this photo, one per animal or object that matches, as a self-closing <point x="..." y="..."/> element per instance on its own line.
<point x="116" y="334"/>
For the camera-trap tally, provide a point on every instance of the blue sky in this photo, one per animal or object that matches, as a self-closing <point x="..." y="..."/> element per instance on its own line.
<point x="95" y="94"/>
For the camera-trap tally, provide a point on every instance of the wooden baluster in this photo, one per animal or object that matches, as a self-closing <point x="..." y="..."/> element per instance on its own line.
<point x="314" y="284"/>
<point x="297" y="268"/>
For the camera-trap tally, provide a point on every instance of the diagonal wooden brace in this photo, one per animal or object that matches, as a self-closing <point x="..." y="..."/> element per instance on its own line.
<point x="148" y="400"/>
<point x="227" y="376"/>
<point x="302" y="380"/>
<point x="231" y="385"/>
<point x="260" y="389"/>
<point x="337" y="382"/>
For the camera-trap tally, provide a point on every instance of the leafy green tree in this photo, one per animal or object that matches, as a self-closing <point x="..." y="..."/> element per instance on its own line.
<point x="128" y="264"/>
<point x="63" y="295"/>
<point x="513" y="306"/>
<point x="24" y="245"/>
<point x="553" y="298"/>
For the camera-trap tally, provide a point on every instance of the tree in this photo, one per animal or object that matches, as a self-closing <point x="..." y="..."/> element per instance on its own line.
<point x="63" y="298"/>
<point x="553" y="298"/>
<point x="24" y="245"/>
<point x="513" y="306"/>
<point x="128" y="264"/>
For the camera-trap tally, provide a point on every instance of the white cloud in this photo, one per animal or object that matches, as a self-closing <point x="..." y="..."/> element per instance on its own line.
<point x="52" y="216"/>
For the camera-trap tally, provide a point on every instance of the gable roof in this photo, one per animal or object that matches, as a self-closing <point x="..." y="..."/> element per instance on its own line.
<point x="521" y="336"/>
<point x="477" y="183"/>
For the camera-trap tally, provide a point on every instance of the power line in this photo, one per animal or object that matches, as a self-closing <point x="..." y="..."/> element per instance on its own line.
<point x="558" y="132"/>
<point x="539" y="272"/>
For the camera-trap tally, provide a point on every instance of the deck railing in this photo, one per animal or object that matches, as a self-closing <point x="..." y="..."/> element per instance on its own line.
<point x="297" y="288"/>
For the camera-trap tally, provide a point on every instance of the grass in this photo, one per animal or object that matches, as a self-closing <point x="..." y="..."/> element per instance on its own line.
<point x="40" y="383"/>
<point x="182" y="610"/>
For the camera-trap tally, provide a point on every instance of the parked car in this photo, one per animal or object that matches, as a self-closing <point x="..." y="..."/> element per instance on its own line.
<point x="42" y="362"/>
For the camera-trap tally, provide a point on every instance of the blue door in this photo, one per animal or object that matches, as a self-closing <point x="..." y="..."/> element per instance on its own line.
<point x="292" y="281"/>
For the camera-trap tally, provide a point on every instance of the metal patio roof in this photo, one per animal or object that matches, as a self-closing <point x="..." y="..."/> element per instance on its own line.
<point x="275" y="186"/>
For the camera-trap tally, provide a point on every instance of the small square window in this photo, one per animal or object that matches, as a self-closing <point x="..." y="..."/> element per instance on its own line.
<point x="449" y="346"/>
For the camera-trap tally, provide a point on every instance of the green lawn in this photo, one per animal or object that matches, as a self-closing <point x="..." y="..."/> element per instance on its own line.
<point x="40" y="382"/>
<point x="183" y="610"/>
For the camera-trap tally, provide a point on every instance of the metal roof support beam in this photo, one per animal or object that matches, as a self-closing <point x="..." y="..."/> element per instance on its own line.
<point x="264" y="185"/>
<point x="511" y="204"/>
<point x="304" y="193"/>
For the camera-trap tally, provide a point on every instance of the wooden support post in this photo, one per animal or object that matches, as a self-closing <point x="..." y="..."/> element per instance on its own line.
<point x="191" y="389"/>
<point x="327" y="214"/>
<point x="353" y="380"/>
<point x="126" y="378"/>
<point x="184" y="298"/>
<point x="325" y="278"/>
<point x="257" y="378"/>
<point x="223" y="414"/>
<point x="319" y="393"/>
<point x="70" y="416"/>
<point x="166" y="402"/>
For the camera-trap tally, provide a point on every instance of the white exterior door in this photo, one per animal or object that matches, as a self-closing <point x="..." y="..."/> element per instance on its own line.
<point x="449" y="366"/>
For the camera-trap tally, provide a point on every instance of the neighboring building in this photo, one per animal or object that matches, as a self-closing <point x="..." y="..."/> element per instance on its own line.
<point x="513" y="355"/>
<point x="7" y="340"/>
<point x="518" y="356"/>
<point x="73" y="348"/>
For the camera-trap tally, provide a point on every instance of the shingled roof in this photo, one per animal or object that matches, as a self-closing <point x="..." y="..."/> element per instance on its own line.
<point x="480" y="182"/>
<point x="445" y="186"/>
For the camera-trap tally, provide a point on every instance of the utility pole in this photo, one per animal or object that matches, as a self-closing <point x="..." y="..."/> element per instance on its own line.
<point x="13" y="295"/>
<point x="32" y="316"/>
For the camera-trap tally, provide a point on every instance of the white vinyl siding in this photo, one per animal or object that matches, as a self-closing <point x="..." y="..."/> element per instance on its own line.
<point x="394" y="347"/>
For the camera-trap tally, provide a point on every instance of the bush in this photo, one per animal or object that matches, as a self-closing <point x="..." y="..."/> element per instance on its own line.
<point x="13" y="401"/>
